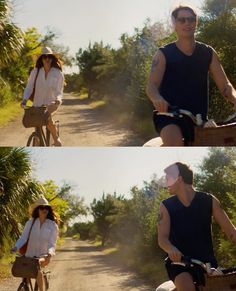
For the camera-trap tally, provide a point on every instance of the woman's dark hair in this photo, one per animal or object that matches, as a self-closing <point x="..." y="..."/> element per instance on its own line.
<point x="51" y="214"/>
<point x="185" y="172"/>
<point x="183" y="7"/>
<point x="56" y="63"/>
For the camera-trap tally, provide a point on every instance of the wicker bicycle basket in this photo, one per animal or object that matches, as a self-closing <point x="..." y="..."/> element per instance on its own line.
<point x="225" y="282"/>
<point x="224" y="135"/>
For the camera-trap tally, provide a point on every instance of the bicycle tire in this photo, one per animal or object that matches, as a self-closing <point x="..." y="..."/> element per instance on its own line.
<point x="57" y="127"/>
<point x="48" y="135"/>
<point x="32" y="140"/>
<point x="23" y="287"/>
<point x="46" y="282"/>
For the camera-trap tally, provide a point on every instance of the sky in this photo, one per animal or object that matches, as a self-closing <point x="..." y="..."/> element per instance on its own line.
<point x="78" y="22"/>
<point x="93" y="171"/>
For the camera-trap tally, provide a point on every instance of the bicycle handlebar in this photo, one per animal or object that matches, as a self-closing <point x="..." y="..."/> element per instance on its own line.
<point x="174" y="111"/>
<point x="189" y="262"/>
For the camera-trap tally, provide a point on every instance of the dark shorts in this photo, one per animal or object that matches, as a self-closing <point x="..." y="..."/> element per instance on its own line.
<point x="184" y="123"/>
<point x="196" y="272"/>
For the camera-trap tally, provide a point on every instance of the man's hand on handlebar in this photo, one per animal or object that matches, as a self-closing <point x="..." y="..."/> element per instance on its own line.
<point x="175" y="255"/>
<point x="161" y="104"/>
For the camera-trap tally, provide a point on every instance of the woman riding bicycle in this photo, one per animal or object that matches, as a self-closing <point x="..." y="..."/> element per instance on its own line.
<point x="46" y="83"/>
<point x="184" y="226"/>
<point x="41" y="231"/>
<point x="179" y="77"/>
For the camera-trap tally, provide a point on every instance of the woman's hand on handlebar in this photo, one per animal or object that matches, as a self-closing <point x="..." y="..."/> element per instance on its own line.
<point x="161" y="104"/>
<point x="175" y="255"/>
<point x="13" y="249"/>
<point x="23" y="103"/>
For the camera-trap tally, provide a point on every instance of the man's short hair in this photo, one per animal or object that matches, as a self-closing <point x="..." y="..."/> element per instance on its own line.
<point x="185" y="172"/>
<point x="175" y="12"/>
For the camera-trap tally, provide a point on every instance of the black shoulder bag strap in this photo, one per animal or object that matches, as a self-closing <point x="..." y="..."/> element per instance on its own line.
<point x="31" y="98"/>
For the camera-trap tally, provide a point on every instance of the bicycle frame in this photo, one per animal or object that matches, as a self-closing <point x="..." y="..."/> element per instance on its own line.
<point x="44" y="137"/>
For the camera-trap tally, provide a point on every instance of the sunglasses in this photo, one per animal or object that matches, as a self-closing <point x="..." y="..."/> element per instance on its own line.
<point x="182" y="20"/>
<point x="47" y="56"/>
<point x="43" y="207"/>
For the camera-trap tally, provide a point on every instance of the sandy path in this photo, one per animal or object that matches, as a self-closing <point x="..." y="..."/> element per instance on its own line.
<point x="80" y="125"/>
<point x="79" y="266"/>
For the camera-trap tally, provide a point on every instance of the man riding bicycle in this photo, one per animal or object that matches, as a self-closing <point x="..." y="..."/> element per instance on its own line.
<point x="184" y="226"/>
<point x="179" y="77"/>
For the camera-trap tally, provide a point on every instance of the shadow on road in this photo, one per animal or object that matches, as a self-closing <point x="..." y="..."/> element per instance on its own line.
<point x="93" y="262"/>
<point x="84" y="119"/>
<point x="80" y="249"/>
<point x="74" y="101"/>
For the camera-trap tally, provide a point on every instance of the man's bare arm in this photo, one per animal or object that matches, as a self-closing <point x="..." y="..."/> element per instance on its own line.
<point x="223" y="220"/>
<point x="163" y="228"/>
<point x="154" y="82"/>
<point x="225" y="87"/>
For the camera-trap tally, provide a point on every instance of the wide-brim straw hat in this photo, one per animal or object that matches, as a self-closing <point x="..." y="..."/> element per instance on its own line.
<point x="46" y="51"/>
<point x="42" y="201"/>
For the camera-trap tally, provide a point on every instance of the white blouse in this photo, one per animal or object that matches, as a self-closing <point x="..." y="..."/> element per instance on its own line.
<point x="42" y="240"/>
<point x="46" y="90"/>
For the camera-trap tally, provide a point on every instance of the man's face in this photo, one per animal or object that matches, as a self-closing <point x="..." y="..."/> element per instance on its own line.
<point x="185" y="23"/>
<point x="172" y="177"/>
<point x="173" y="187"/>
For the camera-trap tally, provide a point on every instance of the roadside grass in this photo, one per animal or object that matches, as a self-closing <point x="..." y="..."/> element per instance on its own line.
<point x="9" y="112"/>
<point x="60" y="241"/>
<point x="83" y="96"/>
<point x="98" y="104"/>
<point x="145" y="128"/>
<point x="5" y="266"/>
<point x="76" y="236"/>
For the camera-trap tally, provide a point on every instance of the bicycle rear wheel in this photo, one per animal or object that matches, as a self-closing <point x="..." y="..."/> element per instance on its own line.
<point x="33" y="140"/>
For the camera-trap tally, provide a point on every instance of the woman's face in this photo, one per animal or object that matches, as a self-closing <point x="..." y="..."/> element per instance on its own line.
<point x="47" y="60"/>
<point x="43" y="211"/>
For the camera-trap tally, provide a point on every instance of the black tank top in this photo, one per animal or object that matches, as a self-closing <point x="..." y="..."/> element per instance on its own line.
<point x="190" y="229"/>
<point x="185" y="82"/>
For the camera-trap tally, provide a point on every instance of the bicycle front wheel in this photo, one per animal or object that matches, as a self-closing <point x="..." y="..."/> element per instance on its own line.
<point x="23" y="287"/>
<point x="33" y="140"/>
<point x="46" y="281"/>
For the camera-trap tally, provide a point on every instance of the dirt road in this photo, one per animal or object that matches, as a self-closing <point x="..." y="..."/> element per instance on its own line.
<point x="79" y="266"/>
<point x="80" y="125"/>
